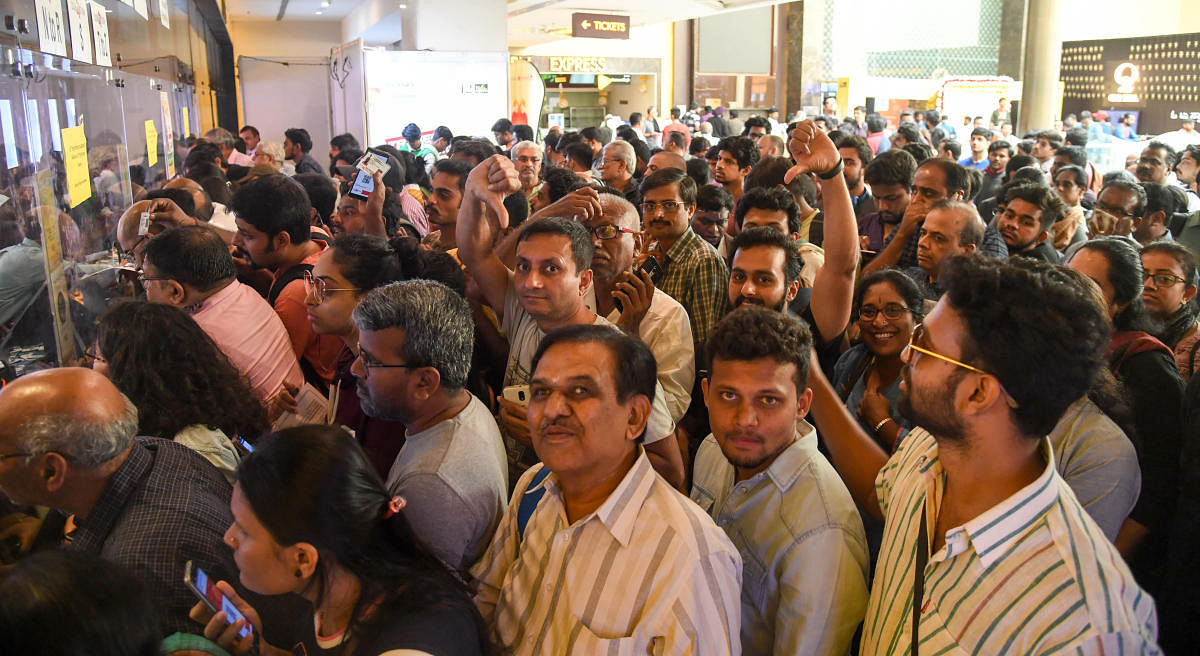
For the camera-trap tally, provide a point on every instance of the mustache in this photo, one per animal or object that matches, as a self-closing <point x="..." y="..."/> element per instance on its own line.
<point x="563" y="423"/>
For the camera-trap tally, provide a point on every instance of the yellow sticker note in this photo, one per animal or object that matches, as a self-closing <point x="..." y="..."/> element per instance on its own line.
<point x="187" y="126"/>
<point x="75" y="160"/>
<point x="151" y="144"/>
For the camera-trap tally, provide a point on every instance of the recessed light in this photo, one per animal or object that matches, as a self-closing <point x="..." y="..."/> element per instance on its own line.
<point x="318" y="12"/>
<point x="324" y="3"/>
<point x="403" y="6"/>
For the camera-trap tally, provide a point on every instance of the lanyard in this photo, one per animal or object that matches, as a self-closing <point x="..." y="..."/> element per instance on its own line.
<point x="919" y="579"/>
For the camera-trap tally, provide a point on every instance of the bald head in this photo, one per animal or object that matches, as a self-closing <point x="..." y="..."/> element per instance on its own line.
<point x="127" y="227"/>
<point x="201" y="199"/>
<point x="666" y="160"/>
<point x="75" y="412"/>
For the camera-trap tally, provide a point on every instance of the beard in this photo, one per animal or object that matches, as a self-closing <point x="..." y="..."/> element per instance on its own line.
<point x="936" y="413"/>
<point x="778" y="307"/>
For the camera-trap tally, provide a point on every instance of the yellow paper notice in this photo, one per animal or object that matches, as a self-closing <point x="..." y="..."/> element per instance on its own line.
<point x="187" y="126"/>
<point x="79" y="186"/>
<point x="151" y="144"/>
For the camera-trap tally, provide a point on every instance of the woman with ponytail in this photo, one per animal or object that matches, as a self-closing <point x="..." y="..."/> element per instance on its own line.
<point x="311" y="517"/>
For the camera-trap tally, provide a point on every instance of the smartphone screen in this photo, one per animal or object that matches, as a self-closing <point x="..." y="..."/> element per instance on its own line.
<point x="206" y="588"/>
<point x="363" y="185"/>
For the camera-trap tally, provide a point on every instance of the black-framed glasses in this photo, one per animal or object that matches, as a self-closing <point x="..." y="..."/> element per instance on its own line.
<point x="1162" y="279"/>
<point x="319" y="288"/>
<point x="891" y="311"/>
<point x="668" y="206"/>
<point x="610" y="231"/>
<point x="369" y="364"/>
<point x="143" y="278"/>
<point x="6" y="456"/>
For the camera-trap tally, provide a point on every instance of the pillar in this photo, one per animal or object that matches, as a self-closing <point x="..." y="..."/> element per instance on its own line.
<point x="1040" y="72"/>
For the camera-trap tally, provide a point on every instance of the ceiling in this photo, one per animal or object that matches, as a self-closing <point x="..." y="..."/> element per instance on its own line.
<point x="529" y="21"/>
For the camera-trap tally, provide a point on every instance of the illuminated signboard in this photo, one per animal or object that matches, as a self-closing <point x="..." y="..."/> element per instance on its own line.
<point x="600" y="26"/>
<point x="1125" y="74"/>
<point x="578" y="64"/>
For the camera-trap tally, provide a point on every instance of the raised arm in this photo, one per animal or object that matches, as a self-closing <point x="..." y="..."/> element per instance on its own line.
<point x="480" y="217"/>
<point x="833" y="287"/>
<point x="853" y="453"/>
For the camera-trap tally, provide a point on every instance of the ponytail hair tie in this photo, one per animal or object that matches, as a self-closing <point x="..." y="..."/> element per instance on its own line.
<point x="394" y="505"/>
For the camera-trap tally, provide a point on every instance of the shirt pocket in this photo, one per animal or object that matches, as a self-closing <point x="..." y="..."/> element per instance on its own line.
<point x="754" y="574"/>
<point x="587" y="642"/>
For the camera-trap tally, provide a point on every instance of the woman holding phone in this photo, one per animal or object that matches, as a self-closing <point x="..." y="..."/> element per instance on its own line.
<point x="311" y="517"/>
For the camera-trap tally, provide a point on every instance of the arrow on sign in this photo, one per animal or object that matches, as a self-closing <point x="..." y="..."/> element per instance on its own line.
<point x="586" y="24"/>
<point x="602" y="82"/>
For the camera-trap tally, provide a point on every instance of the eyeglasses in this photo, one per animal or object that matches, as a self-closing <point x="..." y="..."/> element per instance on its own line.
<point x="1115" y="213"/>
<point x="891" y="311"/>
<point x="906" y="356"/>
<point x="318" y="288"/>
<point x="6" y="456"/>
<point x="368" y="365"/>
<point x="93" y="354"/>
<point x="668" y="206"/>
<point x="1162" y="279"/>
<point x="143" y="278"/>
<point x="609" y="231"/>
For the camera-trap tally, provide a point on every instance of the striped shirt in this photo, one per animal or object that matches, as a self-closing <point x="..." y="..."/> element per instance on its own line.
<point x="804" y="552"/>
<point x="647" y="573"/>
<point x="1032" y="575"/>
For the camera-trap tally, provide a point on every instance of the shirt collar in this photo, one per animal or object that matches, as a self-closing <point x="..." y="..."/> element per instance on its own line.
<point x="790" y="462"/>
<point x="116" y="494"/>
<point x="619" y="512"/>
<point x="996" y="531"/>
<point x="682" y="244"/>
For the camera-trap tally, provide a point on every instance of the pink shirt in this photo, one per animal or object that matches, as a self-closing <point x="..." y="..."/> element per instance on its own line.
<point x="249" y="332"/>
<point x="415" y="212"/>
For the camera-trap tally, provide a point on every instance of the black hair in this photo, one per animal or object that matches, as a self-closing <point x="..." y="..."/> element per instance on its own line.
<point x="675" y="112"/>
<point x="742" y="149"/>
<point x="1125" y="184"/>
<point x="349" y="155"/>
<point x="698" y="171"/>
<point x="522" y="132"/>
<point x="713" y="198"/>
<point x="769" y="172"/>
<point x="454" y="167"/>
<point x="626" y="133"/>
<point x="74" y="602"/>
<point x="859" y="144"/>
<point x="191" y="255"/>
<point x="502" y="125"/>
<point x="1023" y="311"/>
<point x="1171" y="157"/>
<point x="953" y="172"/>
<point x="636" y="371"/>
<point x="908" y="290"/>
<point x="322" y="194"/>
<point x="756" y="122"/>
<point x="771" y="199"/>
<point x="910" y="133"/>
<point x="1076" y="172"/>
<point x="443" y="132"/>
<point x="1077" y="136"/>
<point x="1000" y="144"/>
<point x="181" y="197"/>
<point x="580" y="153"/>
<point x="251" y="129"/>
<point x="919" y="151"/>
<point x="175" y="374"/>
<point x="299" y="136"/>
<point x="932" y="116"/>
<point x="893" y="166"/>
<point x="582" y="248"/>
<point x="517" y="206"/>
<point x="712" y="154"/>
<point x="274" y="204"/>
<point x="367" y="261"/>
<point x="1125" y="276"/>
<point x="1025" y="146"/>
<point x="589" y="133"/>
<point x="559" y="182"/>
<point x="664" y="177"/>
<point x="475" y="149"/>
<point x="676" y="137"/>
<point x="982" y="132"/>
<point x="640" y="150"/>
<point x="699" y="146"/>
<point x="344" y="141"/>
<point x="952" y="146"/>
<point x="634" y="118"/>
<point x="1075" y="154"/>
<point x="1018" y="162"/>
<point x="769" y="237"/>
<point x="753" y="333"/>
<point x="1042" y="197"/>
<point x="314" y="484"/>
<point x="202" y="153"/>
<point x="1158" y="199"/>
<point x="1051" y="136"/>
<point x="1187" y="260"/>
<point x="215" y="185"/>
<point x="876" y="123"/>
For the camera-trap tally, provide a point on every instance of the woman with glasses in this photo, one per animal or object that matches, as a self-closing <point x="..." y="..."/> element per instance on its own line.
<point x="184" y="387"/>
<point x="312" y="518"/>
<point x="1145" y="368"/>
<point x="888" y="305"/>
<point x="1169" y="292"/>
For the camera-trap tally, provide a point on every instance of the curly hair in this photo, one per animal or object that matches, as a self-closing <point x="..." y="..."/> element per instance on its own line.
<point x="751" y="332"/>
<point x="1025" y="311"/>
<point x="175" y="374"/>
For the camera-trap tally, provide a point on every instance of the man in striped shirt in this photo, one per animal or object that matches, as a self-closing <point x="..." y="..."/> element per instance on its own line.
<point x="596" y="553"/>
<point x="981" y="535"/>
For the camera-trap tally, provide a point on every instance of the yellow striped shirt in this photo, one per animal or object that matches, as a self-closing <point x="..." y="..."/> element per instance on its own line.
<point x="647" y="573"/>
<point x="1032" y="575"/>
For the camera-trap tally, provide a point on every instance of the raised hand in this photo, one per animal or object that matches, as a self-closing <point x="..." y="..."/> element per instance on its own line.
<point x="580" y="205"/>
<point x="811" y="150"/>
<point x="494" y="179"/>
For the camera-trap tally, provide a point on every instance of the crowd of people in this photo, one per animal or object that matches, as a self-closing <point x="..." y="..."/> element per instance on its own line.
<point x="705" y="383"/>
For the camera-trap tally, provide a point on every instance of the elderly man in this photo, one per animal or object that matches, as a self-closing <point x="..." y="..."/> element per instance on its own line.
<point x="150" y="505"/>
<point x="528" y="158"/>
<point x="414" y="340"/>
<point x="665" y="159"/>
<point x="597" y="554"/>
<point x="952" y="227"/>
<point x="617" y="162"/>
<point x="223" y="139"/>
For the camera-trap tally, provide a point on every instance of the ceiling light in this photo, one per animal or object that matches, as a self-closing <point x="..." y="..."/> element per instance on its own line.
<point x="318" y="12"/>
<point x="403" y="6"/>
<point x="324" y="3"/>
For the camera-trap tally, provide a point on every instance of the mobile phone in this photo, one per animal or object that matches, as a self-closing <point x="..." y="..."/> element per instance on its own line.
<point x="518" y="394"/>
<point x="206" y="589"/>
<point x="652" y="267"/>
<point x="364" y="183"/>
<point x="243" y="444"/>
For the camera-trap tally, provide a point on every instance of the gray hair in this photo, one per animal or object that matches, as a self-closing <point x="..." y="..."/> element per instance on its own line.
<point x="272" y="148"/>
<point x="437" y="325"/>
<point x="86" y="442"/>
<point x="220" y="137"/>
<point x="626" y="214"/>
<point x="525" y="144"/>
<point x="621" y="151"/>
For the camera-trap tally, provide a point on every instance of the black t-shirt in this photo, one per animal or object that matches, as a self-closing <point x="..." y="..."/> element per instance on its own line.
<point x="441" y="632"/>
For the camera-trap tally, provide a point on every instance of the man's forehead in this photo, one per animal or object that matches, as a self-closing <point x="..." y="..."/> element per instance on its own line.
<point x="544" y="247"/>
<point x="1116" y="196"/>
<point x="758" y="258"/>
<point x="574" y="361"/>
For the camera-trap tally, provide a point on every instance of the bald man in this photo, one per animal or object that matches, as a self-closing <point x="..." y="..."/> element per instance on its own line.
<point x="204" y="204"/>
<point x="163" y="214"/>
<point x="68" y="442"/>
<point x="665" y="160"/>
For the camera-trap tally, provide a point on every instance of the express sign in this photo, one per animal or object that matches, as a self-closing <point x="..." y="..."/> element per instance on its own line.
<point x="600" y="26"/>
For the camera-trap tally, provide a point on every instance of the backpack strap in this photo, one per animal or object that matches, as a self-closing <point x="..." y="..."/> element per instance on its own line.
<point x="295" y="273"/>
<point x="531" y="499"/>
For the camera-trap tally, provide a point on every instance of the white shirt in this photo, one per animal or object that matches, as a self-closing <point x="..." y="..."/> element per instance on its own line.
<point x="646" y="573"/>
<point x="667" y="330"/>
<point x="803" y="548"/>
